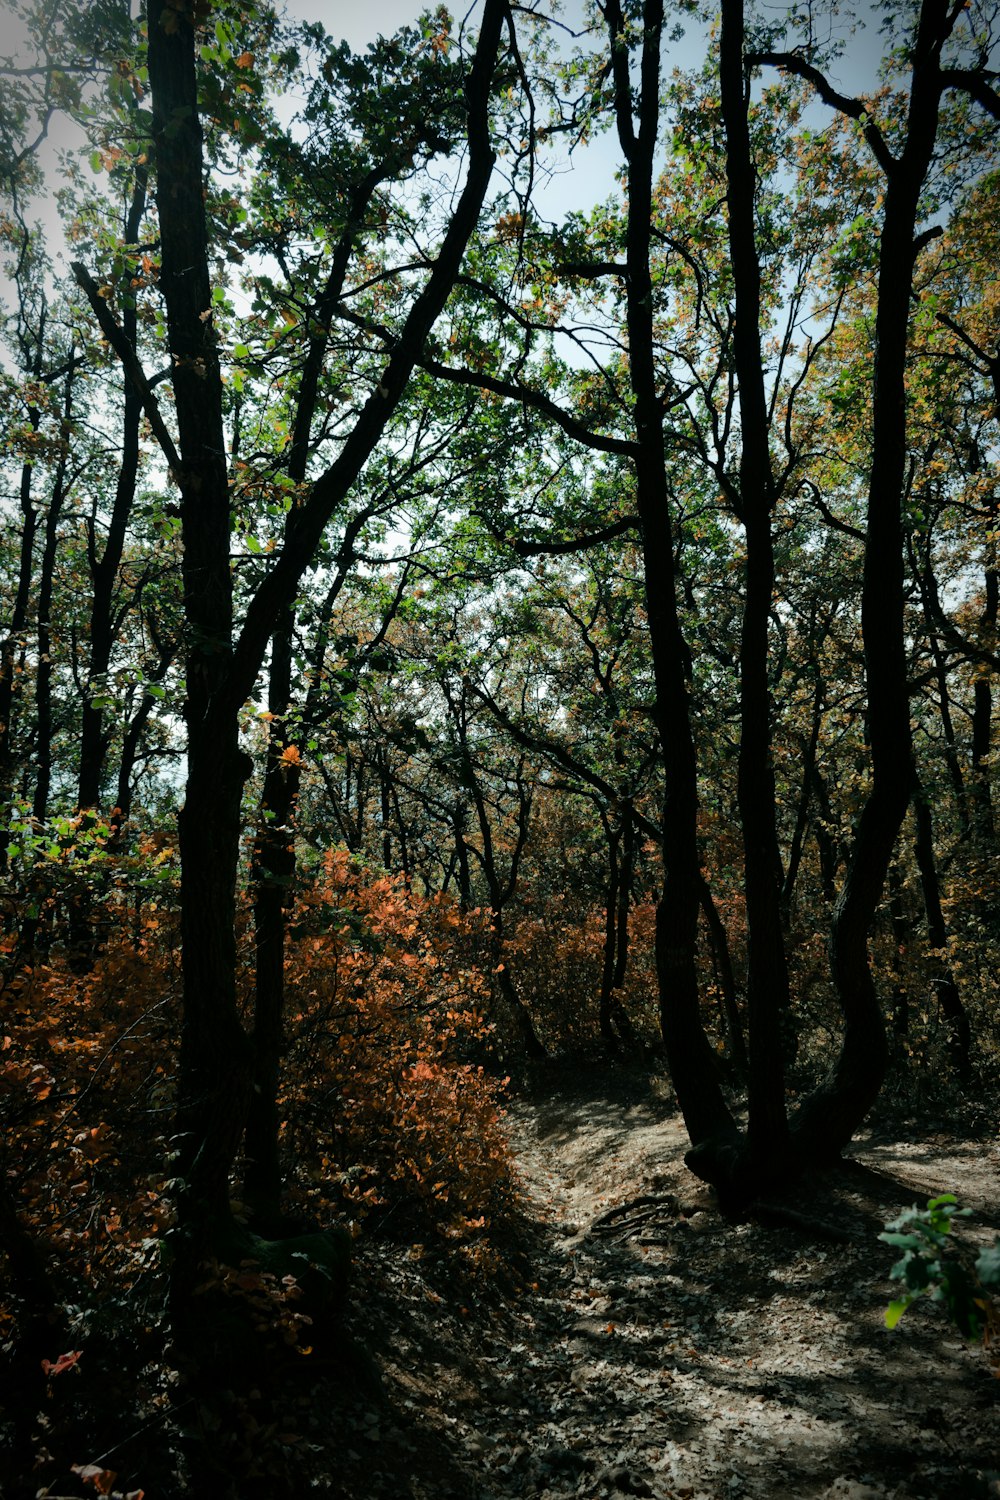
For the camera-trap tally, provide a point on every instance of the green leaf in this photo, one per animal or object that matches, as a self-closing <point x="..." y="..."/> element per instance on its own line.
<point x="895" y="1311"/>
<point x="96" y="164"/>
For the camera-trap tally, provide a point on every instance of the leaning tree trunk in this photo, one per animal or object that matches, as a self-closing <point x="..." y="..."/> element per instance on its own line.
<point x="829" y="1117"/>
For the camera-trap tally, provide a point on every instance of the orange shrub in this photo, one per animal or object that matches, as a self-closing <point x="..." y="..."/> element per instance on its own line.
<point x="386" y="1100"/>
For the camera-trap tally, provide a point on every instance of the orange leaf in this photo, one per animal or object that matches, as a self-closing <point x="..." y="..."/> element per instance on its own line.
<point x="101" y="1479"/>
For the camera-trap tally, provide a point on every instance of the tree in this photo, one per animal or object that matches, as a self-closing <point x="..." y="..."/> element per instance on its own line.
<point x="221" y="660"/>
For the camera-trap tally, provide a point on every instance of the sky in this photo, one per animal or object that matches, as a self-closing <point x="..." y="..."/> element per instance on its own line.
<point x="580" y="182"/>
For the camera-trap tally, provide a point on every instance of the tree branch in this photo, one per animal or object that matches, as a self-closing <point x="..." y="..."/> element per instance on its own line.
<point x="125" y="351"/>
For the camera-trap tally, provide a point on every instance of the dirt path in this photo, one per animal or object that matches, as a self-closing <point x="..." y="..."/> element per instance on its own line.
<point x="682" y="1355"/>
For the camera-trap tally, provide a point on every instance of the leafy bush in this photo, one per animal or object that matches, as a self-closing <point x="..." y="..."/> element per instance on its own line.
<point x="389" y="1109"/>
<point x="928" y="1268"/>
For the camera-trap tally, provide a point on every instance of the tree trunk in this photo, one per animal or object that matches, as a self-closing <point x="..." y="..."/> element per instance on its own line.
<point x="829" y="1117"/>
<point x="767" y="969"/>
<point x="13" y="641"/>
<point x="689" y="1056"/>
<point x="982" y="723"/>
<point x="94" y="738"/>
<point x="215" y="1057"/>
<point x="273" y="874"/>
<point x="605" y="1003"/>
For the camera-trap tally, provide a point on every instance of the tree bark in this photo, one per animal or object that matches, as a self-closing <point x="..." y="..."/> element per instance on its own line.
<point x="829" y="1117"/>
<point x="767" y="968"/>
<point x="215" y="1059"/>
<point x="982" y="723"/>
<point x="273" y="874"/>
<point x="689" y="1056"/>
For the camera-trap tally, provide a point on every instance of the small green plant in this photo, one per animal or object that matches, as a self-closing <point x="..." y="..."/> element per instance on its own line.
<point x="927" y="1268"/>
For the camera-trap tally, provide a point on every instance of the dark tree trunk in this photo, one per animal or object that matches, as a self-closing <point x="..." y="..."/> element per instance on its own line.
<point x="215" y="1057"/>
<point x="689" y="1056"/>
<point x="829" y="1117"/>
<point x="94" y="737"/>
<point x="273" y="874"/>
<point x="982" y="724"/>
<point x="13" y="642"/>
<point x="767" y="969"/>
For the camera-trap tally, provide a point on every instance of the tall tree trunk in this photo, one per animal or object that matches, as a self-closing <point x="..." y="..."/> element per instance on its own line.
<point x="767" y="969"/>
<point x="13" y="641"/>
<point x="611" y="897"/>
<point x="94" y="738"/>
<point x="689" y="1056"/>
<point x="829" y="1117"/>
<point x="273" y="874"/>
<point x="215" y="1057"/>
<point x="982" y="722"/>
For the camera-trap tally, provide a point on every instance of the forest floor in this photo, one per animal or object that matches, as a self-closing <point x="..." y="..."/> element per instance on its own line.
<point x="674" y="1352"/>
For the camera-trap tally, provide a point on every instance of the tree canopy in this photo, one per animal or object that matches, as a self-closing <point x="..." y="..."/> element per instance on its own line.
<point x="439" y="628"/>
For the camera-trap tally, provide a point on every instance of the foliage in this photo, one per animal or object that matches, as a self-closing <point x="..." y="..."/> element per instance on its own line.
<point x="389" y="1113"/>
<point x="387" y="1116"/>
<point x="561" y="597"/>
<point x="928" y="1268"/>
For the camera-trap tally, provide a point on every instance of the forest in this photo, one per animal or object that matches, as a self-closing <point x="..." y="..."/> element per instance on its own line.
<point x="499" y="898"/>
